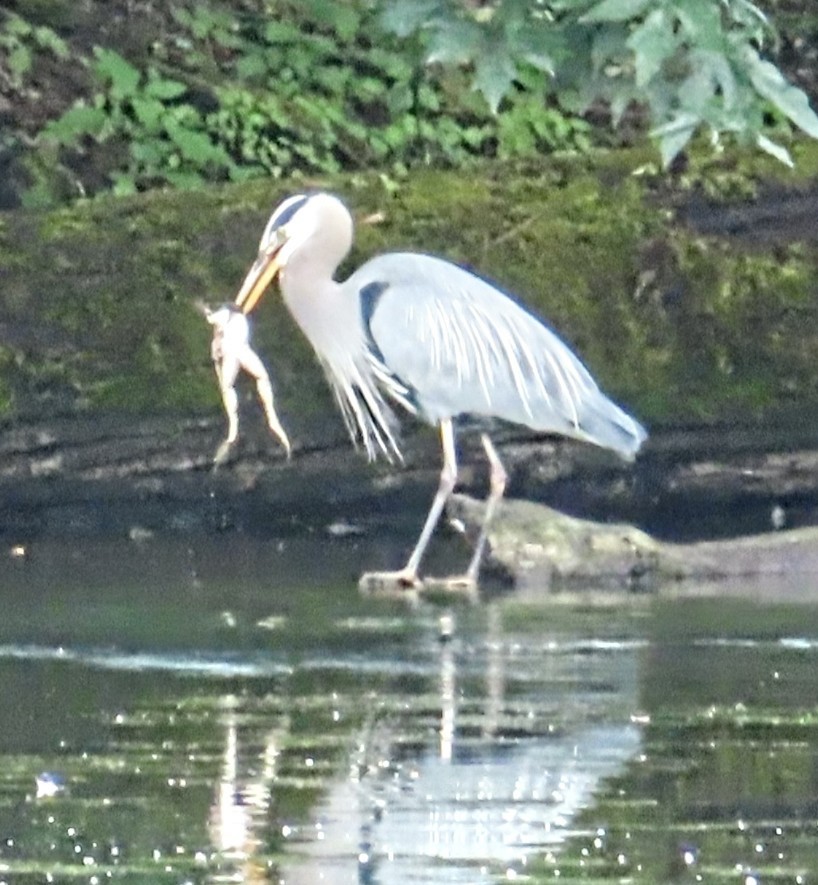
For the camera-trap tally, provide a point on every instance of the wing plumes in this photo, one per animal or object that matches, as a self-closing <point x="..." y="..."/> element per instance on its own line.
<point x="500" y="360"/>
<point x="605" y="424"/>
<point x="392" y="385"/>
<point x="512" y="357"/>
<point x="552" y="388"/>
<point x="445" y="343"/>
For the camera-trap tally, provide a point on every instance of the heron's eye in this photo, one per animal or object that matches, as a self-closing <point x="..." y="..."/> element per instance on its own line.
<point x="277" y="238"/>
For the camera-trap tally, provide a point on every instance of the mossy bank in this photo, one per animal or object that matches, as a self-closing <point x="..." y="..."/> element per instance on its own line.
<point x="679" y="325"/>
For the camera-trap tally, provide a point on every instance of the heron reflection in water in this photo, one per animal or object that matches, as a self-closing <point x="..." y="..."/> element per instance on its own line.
<point x="433" y="338"/>
<point x="232" y="353"/>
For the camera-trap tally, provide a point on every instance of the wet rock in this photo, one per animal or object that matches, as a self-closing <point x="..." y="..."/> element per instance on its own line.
<point x="542" y="548"/>
<point x="705" y="500"/>
<point x="547" y="551"/>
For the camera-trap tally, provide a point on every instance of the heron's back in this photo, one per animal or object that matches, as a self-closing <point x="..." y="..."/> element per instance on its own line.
<point x="454" y="345"/>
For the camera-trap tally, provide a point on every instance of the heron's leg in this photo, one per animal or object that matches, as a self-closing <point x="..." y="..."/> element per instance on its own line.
<point x="408" y="575"/>
<point x="497" y="487"/>
<point x="251" y="364"/>
<point x="448" y="478"/>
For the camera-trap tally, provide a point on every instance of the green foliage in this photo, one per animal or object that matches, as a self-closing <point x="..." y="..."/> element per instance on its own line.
<point x="19" y="41"/>
<point x="307" y="88"/>
<point x="97" y="296"/>
<point x="693" y="64"/>
<point x="229" y="92"/>
<point x="166" y="139"/>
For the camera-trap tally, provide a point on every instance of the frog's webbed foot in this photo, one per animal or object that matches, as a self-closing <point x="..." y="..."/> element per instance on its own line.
<point x="222" y="452"/>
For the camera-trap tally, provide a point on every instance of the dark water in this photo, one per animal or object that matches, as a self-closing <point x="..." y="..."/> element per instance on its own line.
<point x="238" y="713"/>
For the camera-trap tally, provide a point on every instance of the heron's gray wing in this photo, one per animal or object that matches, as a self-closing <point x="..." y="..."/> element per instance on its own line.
<point x="453" y="344"/>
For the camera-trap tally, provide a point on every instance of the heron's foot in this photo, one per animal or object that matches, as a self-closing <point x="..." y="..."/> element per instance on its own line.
<point x="222" y="452"/>
<point x="402" y="583"/>
<point x="461" y="585"/>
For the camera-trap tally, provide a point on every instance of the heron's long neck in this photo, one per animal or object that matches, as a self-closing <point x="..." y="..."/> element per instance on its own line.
<point x="315" y="301"/>
<point x="329" y="314"/>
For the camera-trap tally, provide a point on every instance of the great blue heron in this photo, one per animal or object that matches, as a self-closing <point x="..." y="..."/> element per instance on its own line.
<point x="434" y="338"/>
<point x="231" y="352"/>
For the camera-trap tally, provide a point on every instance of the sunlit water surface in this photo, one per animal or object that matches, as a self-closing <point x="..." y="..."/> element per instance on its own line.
<point x="237" y="712"/>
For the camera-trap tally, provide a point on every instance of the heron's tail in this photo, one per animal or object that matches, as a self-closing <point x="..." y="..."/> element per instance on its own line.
<point x="604" y="424"/>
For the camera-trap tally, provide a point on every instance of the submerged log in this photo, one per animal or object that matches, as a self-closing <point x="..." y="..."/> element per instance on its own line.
<point x="544" y="551"/>
<point x="71" y="478"/>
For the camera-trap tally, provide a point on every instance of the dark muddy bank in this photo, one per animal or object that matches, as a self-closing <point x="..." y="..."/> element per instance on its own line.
<point x="696" y="309"/>
<point x="110" y="478"/>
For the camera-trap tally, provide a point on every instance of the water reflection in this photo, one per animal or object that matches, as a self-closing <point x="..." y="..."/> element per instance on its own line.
<point x="315" y="736"/>
<point x="241" y="803"/>
<point x="527" y="727"/>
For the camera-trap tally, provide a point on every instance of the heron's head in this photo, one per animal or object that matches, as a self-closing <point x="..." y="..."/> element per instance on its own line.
<point x="318" y="226"/>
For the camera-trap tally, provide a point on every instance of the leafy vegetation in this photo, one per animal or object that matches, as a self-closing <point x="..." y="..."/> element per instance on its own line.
<point x="97" y="297"/>
<point x="297" y="89"/>
<point x="206" y="92"/>
<point x="692" y="64"/>
<point x="20" y="40"/>
<point x="189" y="93"/>
<point x="222" y="94"/>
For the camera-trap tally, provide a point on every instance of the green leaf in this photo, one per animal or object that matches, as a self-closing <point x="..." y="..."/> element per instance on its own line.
<point x="49" y="39"/>
<point x="701" y="22"/>
<point x="539" y="43"/>
<point x="123" y="76"/>
<point x="697" y="91"/>
<point x="791" y="101"/>
<point x="76" y="122"/>
<point x="615" y="11"/>
<point x="343" y="18"/>
<point x="19" y="62"/>
<point x="251" y="66"/>
<point x="390" y="63"/>
<point x="722" y="73"/>
<point x="399" y="99"/>
<point x="493" y="75"/>
<point x="184" y="180"/>
<point x="163" y="88"/>
<point x="124" y="184"/>
<point x="195" y="146"/>
<point x="775" y="150"/>
<point x="619" y="104"/>
<point x="149" y="112"/>
<point x="427" y="98"/>
<point x="749" y="16"/>
<point x="405" y="17"/>
<point x="607" y="47"/>
<point x="245" y="172"/>
<point x="652" y="43"/>
<point x="455" y="43"/>
<point x="710" y="88"/>
<point x="149" y="154"/>
<point x="674" y="135"/>
<point x="17" y="26"/>
<point x="281" y="32"/>
<point x="182" y="16"/>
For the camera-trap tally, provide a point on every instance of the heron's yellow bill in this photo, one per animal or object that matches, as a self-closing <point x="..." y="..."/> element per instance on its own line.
<point x="258" y="278"/>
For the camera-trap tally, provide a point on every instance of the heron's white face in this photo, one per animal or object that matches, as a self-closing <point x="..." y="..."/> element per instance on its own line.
<point x="274" y="250"/>
<point x="295" y="222"/>
<point x="284" y="222"/>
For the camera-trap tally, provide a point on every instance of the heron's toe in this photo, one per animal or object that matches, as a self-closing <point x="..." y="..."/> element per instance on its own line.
<point x="402" y="583"/>
<point x="462" y="585"/>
